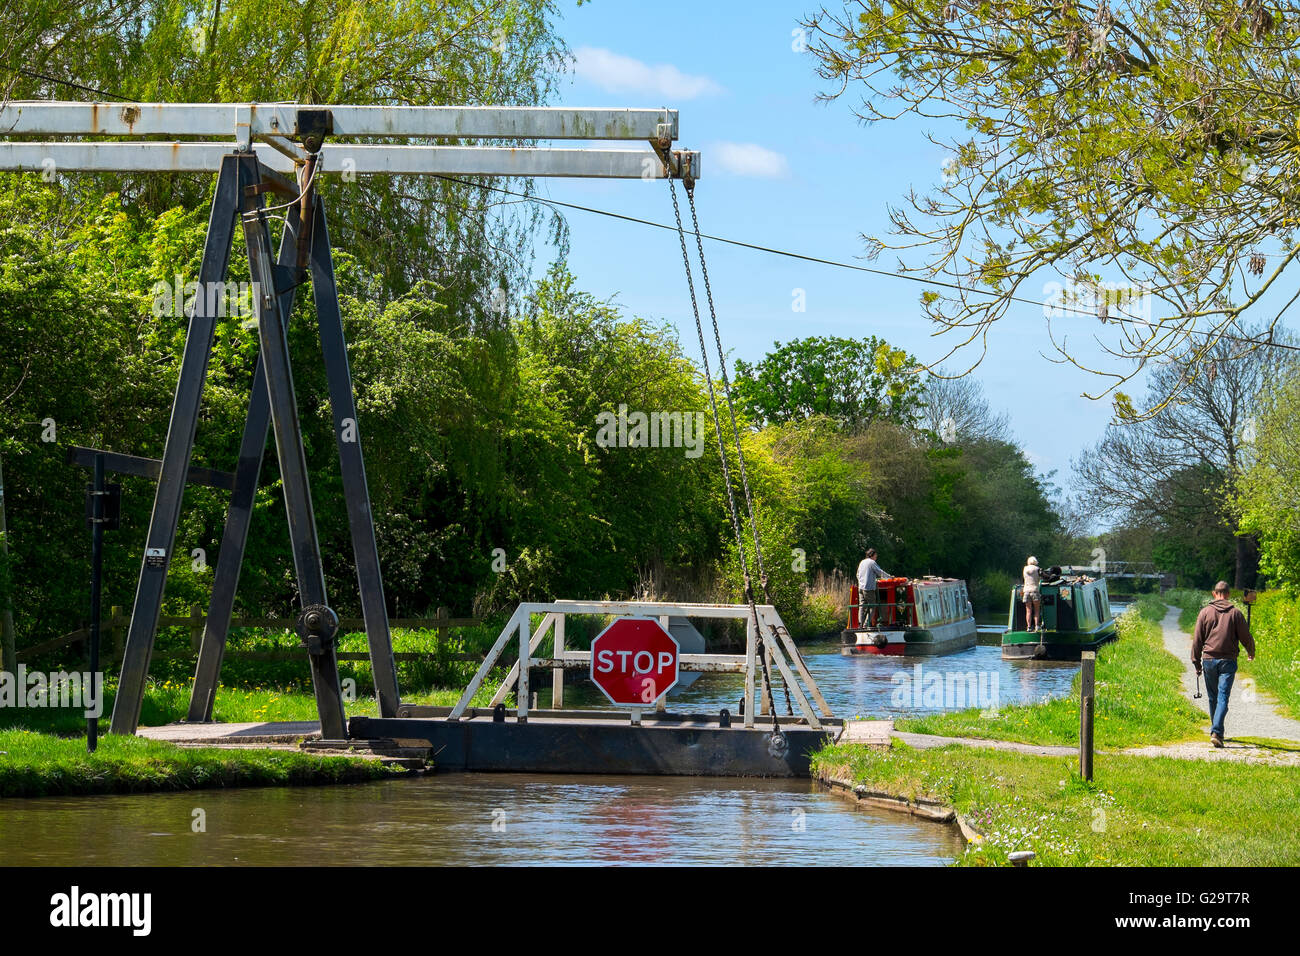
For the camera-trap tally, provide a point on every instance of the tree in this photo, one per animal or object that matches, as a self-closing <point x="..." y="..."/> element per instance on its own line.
<point x="850" y="381"/>
<point x="406" y="229"/>
<point x="1144" y="155"/>
<point x="1177" y="470"/>
<point x="956" y="409"/>
<point x="1268" y="499"/>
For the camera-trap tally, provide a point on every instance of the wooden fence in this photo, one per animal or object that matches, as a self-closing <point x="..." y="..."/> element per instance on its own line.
<point x="114" y="630"/>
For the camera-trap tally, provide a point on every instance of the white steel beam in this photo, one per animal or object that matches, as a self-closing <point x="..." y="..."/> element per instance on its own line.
<point x="184" y="120"/>
<point x="644" y="608"/>
<point x="359" y="160"/>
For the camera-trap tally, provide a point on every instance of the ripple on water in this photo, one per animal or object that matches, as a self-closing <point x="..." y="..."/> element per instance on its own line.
<point x="491" y="819"/>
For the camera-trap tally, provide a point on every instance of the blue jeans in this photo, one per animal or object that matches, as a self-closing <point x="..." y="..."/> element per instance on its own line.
<point x="1219" y="675"/>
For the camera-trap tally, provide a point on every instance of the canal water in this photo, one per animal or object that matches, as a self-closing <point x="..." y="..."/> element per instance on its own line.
<point x="504" y="819"/>
<point x="871" y="685"/>
<point x="480" y="819"/>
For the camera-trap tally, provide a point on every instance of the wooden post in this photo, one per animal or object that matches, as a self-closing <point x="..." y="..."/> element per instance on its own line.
<point x="114" y="632"/>
<point x="8" y="643"/>
<point x="1087" y="690"/>
<point x="443" y="615"/>
<point x="196" y="628"/>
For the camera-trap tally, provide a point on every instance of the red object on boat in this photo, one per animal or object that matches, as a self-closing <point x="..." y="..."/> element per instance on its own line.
<point x="891" y="650"/>
<point x="891" y="591"/>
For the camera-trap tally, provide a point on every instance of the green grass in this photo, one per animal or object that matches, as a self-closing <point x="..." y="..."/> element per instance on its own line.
<point x="33" y="764"/>
<point x="168" y="701"/>
<point x="1141" y="811"/>
<point x="437" y="668"/>
<point x="1189" y="604"/>
<point x="1139" y="699"/>
<point x="1275" y="625"/>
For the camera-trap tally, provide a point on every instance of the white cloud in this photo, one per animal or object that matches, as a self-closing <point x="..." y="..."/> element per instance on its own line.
<point x="615" y="73"/>
<point x="746" y="159"/>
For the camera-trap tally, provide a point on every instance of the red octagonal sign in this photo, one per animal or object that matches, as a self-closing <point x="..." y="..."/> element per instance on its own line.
<point x="634" y="661"/>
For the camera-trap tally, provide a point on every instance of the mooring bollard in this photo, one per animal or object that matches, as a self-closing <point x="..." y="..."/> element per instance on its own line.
<point x="1087" y="690"/>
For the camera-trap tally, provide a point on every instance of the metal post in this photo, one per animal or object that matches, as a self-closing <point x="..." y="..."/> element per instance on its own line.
<point x="356" y="492"/>
<point x="525" y="652"/>
<point x="1087" y="690"/>
<point x="291" y="454"/>
<point x="557" y="673"/>
<point x="8" y="643"/>
<point x="96" y="582"/>
<point x="239" y="517"/>
<point x="751" y="638"/>
<point x="766" y="704"/>
<point x="661" y="702"/>
<point x="177" y="451"/>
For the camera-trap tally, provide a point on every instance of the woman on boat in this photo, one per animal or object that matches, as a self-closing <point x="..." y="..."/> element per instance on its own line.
<point x="1029" y="594"/>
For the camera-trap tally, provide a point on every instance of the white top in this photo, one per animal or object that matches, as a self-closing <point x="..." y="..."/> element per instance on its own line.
<point x="1031" y="575"/>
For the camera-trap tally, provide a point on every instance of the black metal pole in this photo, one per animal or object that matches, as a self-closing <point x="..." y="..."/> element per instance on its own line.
<point x="179" y="448"/>
<point x="356" y="492"/>
<point x="239" y="517"/>
<point x="292" y="457"/>
<point x="96" y="581"/>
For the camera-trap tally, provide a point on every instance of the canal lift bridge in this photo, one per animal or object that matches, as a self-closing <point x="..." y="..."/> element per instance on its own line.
<point x="286" y="152"/>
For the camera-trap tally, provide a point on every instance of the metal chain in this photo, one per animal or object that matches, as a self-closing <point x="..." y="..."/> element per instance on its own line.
<point x="726" y="385"/>
<point x="760" y="649"/>
<point x="735" y="427"/>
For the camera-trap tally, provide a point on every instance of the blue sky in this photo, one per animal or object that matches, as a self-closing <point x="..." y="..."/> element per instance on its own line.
<point x="782" y="170"/>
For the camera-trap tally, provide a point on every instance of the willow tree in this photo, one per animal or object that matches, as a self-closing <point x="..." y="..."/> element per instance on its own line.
<point x="1142" y="154"/>
<point x="414" y="52"/>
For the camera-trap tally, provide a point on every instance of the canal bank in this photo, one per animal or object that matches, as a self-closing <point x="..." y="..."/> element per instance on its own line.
<point x="1139" y="698"/>
<point x="1138" y="811"/>
<point x="41" y="765"/>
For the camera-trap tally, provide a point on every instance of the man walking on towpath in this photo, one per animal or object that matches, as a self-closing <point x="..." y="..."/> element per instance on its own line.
<point x="1220" y="632"/>
<point x="868" y="596"/>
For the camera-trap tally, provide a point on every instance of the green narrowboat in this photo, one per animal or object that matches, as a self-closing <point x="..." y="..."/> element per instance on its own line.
<point x="1076" y="617"/>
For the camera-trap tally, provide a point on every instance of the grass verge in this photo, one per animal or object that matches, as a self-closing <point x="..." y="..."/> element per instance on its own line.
<point x="168" y="701"/>
<point x="1140" y="811"/>
<point x="1139" y="699"/>
<point x="1275" y="625"/>
<point x="36" y="765"/>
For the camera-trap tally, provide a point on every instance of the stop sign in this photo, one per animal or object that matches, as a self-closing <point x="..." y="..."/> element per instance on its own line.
<point x="634" y="661"/>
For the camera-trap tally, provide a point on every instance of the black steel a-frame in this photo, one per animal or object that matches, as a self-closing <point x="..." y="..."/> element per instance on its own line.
<point x="242" y="184"/>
